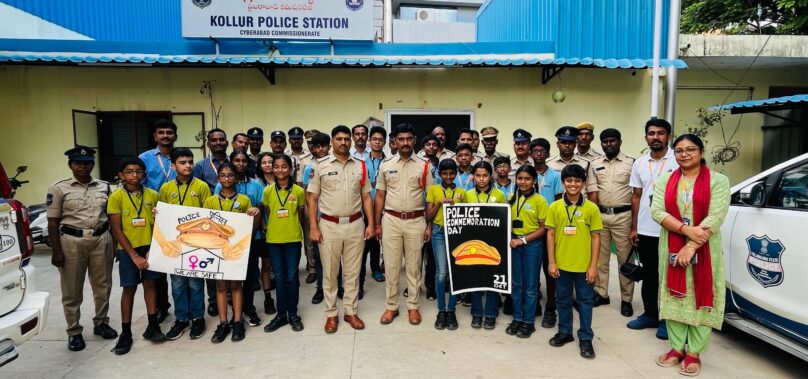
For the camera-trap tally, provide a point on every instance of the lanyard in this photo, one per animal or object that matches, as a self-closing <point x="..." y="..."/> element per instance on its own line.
<point x="687" y="196"/>
<point x="184" y="195"/>
<point x="376" y="165"/>
<point x="519" y="207"/>
<point x="661" y="166"/>
<point x="570" y="216"/>
<point x="162" y="166"/>
<point x="541" y="183"/>
<point x="288" y="192"/>
<point x="487" y="194"/>
<point x="232" y="205"/>
<point x="454" y="188"/>
<point x="142" y="199"/>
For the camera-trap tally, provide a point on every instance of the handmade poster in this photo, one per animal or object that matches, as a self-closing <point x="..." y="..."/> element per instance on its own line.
<point x="478" y="247"/>
<point x="200" y="243"/>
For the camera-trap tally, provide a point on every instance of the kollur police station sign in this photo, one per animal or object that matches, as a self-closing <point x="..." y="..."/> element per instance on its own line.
<point x="278" y="19"/>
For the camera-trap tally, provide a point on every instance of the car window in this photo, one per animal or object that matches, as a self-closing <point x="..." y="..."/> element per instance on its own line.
<point x="792" y="191"/>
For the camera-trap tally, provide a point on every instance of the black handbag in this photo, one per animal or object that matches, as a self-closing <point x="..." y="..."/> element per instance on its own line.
<point x="632" y="268"/>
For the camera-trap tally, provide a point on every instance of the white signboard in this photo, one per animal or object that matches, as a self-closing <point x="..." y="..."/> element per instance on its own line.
<point x="278" y="19"/>
<point x="200" y="243"/>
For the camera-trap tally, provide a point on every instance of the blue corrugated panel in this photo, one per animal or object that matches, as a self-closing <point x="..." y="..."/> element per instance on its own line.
<point x="756" y="103"/>
<point x="608" y="29"/>
<point x="110" y="20"/>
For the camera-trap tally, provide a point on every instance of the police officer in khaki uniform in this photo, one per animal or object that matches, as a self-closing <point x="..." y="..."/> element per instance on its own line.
<point x="338" y="185"/>
<point x="489" y="135"/>
<point x="521" y="150"/>
<point x="400" y="225"/>
<point x="81" y="243"/>
<point x="613" y="194"/>
<point x="567" y="137"/>
<point x="586" y="133"/>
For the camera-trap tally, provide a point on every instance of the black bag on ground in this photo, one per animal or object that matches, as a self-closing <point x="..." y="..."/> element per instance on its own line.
<point x="632" y="268"/>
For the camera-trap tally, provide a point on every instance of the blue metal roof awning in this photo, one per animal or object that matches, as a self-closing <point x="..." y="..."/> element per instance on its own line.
<point x="764" y="105"/>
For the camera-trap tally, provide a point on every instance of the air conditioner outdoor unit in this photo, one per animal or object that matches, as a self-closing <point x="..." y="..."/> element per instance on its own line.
<point x="426" y="15"/>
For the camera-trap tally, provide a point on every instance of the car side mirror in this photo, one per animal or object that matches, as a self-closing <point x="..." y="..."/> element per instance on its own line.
<point x="21" y="169"/>
<point x="752" y="194"/>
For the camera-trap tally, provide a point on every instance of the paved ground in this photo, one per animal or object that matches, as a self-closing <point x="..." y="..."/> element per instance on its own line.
<point x="397" y="350"/>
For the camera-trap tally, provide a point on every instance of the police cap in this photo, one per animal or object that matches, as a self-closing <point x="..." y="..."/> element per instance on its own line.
<point x="255" y="133"/>
<point x="81" y="153"/>
<point x="296" y="133"/>
<point x="567" y="133"/>
<point x="521" y="135"/>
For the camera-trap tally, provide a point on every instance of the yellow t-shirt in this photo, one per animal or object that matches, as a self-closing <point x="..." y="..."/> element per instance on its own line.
<point x="530" y="210"/>
<point x="239" y="203"/>
<point x="192" y="194"/>
<point x="493" y="196"/>
<point x="573" y="252"/>
<point x="286" y="202"/>
<point x="436" y="193"/>
<point x="132" y="206"/>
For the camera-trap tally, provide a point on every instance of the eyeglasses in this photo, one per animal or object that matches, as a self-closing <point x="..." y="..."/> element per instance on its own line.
<point x="503" y="166"/>
<point x="227" y="176"/>
<point x="690" y="150"/>
<point x="133" y="172"/>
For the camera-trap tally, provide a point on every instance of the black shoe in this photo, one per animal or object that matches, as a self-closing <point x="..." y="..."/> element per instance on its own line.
<point x="476" y="322"/>
<point x="162" y="314"/>
<point x="489" y="323"/>
<point x="361" y="293"/>
<point x="105" y="331"/>
<point x="318" y="296"/>
<point x="296" y="322"/>
<point x="251" y="318"/>
<point x="269" y="306"/>
<point x="600" y="300"/>
<point x="464" y="300"/>
<point x="507" y="307"/>
<point x="431" y="295"/>
<point x="238" y="331"/>
<point x="341" y="292"/>
<point x="123" y="345"/>
<point x="197" y="328"/>
<point x="76" y="343"/>
<point x="451" y="320"/>
<point x="587" y="351"/>
<point x="525" y="330"/>
<point x="406" y="292"/>
<point x="626" y="309"/>
<point x="221" y="332"/>
<point x="276" y="323"/>
<point x="213" y="309"/>
<point x="154" y="334"/>
<point x="549" y="319"/>
<point x="440" y="322"/>
<point x="538" y="309"/>
<point x="177" y="329"/>
<point x="559" y="339"/>
<point x="513" y="327"/>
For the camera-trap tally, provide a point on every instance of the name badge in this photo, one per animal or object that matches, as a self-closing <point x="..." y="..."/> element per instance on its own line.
<point x="570" y="230"/>
<point x="283" y="213"/>
<point x="138" y="222"/>
<point x="686" y="221"/>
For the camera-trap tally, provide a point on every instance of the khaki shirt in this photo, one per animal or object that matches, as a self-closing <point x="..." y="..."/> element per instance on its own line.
<point x="445" y="154"/>
<point x="558" y="164"/>
<point x="490" y="159"/>
<point x="299" y="161"/>
<point x="79" y="205"/>
<point x="515" y="164"/>
<point x="405" y="182"/>
<point x="612" y="178"/>
<point x="590" y="155"/>
<point x="340" y="186"/>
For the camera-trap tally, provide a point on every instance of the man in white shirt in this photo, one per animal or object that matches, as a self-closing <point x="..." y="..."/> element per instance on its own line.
<point x="644" y="231"/>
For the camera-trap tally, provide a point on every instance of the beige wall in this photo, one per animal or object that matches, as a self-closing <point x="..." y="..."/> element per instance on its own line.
<point x="36" y="103"/>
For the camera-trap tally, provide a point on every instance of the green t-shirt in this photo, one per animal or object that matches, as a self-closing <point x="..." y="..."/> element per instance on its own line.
<point x="436" y="193"/>
<point x="530" y="210"/>
<point x="192" y="194"/>
<point x="573" y="252"/>
<point x="127" y="204"/>
<point x="286" y="202"/>
<point x="239" y="203"/>
<point x="493" y="196"/>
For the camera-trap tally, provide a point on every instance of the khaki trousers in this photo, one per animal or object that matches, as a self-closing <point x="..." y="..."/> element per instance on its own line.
<point x="402" y="238"/>
<point x="83" y="256"/>
<point x="308" y="245"/>
<point x="616" y="228"/>
<point x="341" y="243"/>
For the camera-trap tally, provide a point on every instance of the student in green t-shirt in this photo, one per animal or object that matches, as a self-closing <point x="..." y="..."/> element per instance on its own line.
<point x="484" y="192"/>
<point x="447" y="192"/>
<point x="573" y="245"/>
<point x="230" y="201"/>
<point x="284" y="203"/>
<point x="528" y="211"/>
<point x="130" y="216"/>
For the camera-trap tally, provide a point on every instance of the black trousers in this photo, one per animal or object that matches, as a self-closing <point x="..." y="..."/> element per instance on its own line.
<point x="257" y="250"/>
<point x="550" y="303"/>
<point x="429" y="260"/>
<point x="161" y="286"/>
<point x="372" y="248"/>
<point x="649" y="257"/>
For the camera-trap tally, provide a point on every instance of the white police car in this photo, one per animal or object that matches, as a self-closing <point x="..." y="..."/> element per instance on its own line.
<point x="765" y="239"/>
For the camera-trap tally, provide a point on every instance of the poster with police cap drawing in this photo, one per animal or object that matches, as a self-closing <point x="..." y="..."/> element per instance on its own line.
<point x="200" y="243"/>
<point x="478" y="247"/>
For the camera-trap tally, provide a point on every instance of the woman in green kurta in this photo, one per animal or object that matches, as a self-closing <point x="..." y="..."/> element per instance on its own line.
<point x="690" y="204"/>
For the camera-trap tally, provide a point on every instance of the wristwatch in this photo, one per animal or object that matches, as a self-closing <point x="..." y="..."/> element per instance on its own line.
<point x="524" y="241"/>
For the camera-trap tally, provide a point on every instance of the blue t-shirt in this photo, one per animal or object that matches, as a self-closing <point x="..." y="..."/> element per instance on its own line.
<point x="158" y="169"/>
<point x="465" y="180"/>
<point x="373" y="171"/>
<point x="549" y="185"/>
<point x="508" y="189"/>
<point x="306" y="175"/>
<point x="206" y="170"/>
<point x="254" y="190"/>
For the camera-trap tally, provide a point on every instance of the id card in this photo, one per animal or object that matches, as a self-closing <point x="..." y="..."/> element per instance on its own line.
<point x="686" y="221"/>
<point x="283" y="213"/>
<point x="517" y="224"/>
<point x="138" y="222"/>
<point x="570" y="230"/>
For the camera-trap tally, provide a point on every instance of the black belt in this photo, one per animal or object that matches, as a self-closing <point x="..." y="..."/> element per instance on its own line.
<point x="76" y="232"/>
<point x="615" y="210"/>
